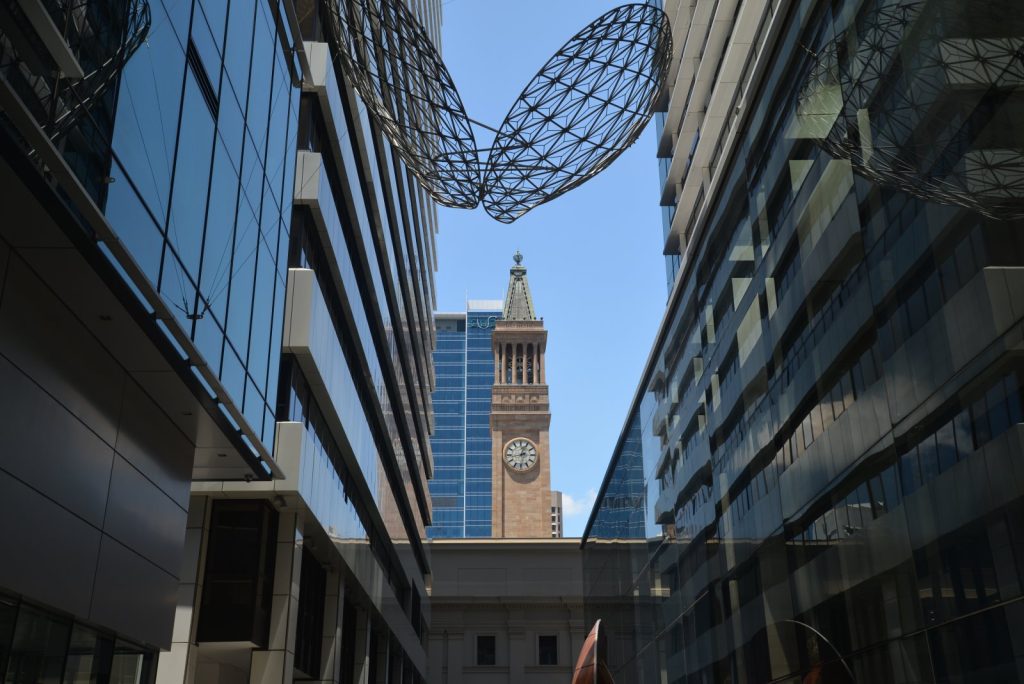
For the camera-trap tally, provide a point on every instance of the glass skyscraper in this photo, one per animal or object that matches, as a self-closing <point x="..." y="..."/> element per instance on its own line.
<point x="820" y="475"/>
<point x="464" y="364"/>
<point x="216" y="291"/>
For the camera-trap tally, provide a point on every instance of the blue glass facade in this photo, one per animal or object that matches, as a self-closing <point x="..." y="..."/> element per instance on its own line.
<point x="448" y="443"/>
<point x="187" y="154"/>
<point x="479" y="379"/>
<point x="187" y="163"/>
<point x="205" y="125"/>
<point x="464" y="363"/>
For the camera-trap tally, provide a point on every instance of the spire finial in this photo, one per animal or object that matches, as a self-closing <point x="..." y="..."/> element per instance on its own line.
<point x="518" y="303"/>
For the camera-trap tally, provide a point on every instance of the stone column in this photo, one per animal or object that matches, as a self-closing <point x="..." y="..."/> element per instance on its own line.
<point x="521" y="363"/>
<point x="384" y="664"/>
<point x="330" y="653"/>
<point x="506" y="354"/>
<point x="519" y="652"/>
<point x="496" y="351"/>
<point x="362" y="648"/>
<point x="577" y="624"/>
<point x="457" y="657"/>
<point x="275" y="665"/>
<point x="531" y="374"/>
<point x="178" y="666"/>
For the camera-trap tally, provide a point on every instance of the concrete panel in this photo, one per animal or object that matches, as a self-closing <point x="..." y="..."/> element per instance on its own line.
<point x="40" y="336"/>
<point x="152" y="443"/>
<point x="144" y="519"/>
<point x="50" y="450"/>
<point x="133" y="596"/>
<point x="50" y="554"/>
<point x="82" y="290"/>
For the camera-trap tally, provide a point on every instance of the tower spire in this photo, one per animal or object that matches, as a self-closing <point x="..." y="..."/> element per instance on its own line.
<point x="518" y="302"/>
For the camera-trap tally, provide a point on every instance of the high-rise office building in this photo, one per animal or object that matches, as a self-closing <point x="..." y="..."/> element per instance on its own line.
<point x="215" y="337"/>
<point x="557" y="527"/>
<point x="461" y="443"/>
<point x="819" y="476"/>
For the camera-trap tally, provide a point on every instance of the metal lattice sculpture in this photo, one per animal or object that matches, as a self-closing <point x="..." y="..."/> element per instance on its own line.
<point x="887" y="109"/>
<point x="111" y="41"/>
<point x="582" y="110"/>
<point x="396" y="70"/>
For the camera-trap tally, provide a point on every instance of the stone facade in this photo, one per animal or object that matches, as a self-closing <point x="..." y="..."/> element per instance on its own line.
<point x="524" y="597"/>
<point x="521" y="503"/>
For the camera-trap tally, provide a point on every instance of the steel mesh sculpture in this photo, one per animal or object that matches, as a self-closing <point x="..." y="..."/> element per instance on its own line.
<point x="894" y="109"/>
<point x="103" y="37"/>
<point x="394" y="67"/>
<point x="581" y="111"/>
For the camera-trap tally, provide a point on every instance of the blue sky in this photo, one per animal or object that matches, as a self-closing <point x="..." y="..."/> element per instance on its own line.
<point x="594" y="255"/>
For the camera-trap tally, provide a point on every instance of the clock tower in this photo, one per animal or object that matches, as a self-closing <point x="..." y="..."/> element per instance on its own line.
<point x="520" y="417"/>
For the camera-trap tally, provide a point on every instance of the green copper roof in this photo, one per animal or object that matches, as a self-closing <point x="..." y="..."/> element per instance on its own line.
<point x="518" y="302"/>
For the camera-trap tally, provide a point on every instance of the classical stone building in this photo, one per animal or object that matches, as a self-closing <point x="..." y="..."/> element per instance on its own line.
<point x="505" y="610"/>
<point x="520" y="417"/>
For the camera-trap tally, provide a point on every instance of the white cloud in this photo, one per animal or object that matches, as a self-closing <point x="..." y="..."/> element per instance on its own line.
<point x="572" y="506"/>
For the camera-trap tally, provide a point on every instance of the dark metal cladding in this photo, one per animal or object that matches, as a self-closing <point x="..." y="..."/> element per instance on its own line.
<point x="840" y="101"/>
<point x="395" y="68"/>
<point x="580" y="112"/>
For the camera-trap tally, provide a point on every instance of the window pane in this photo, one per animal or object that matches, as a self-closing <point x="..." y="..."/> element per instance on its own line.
<point x="946" y="445"/>
<point x="130" y="665"/>
<point x="995" y="399"/>
<point x="1013" y="404"/>
<point x="191" y="178"/>
<point x="928" y="458"/>
<point x="8" y="615"/>
<point x="547" y="650"/>
<point x="38" y="648"/>
<point x="910" y="476"/>
<point x="964" y="439"/>
<point x="89" y="657"/>
<point x="485" y="650"/>
<point x="890" y="485"/>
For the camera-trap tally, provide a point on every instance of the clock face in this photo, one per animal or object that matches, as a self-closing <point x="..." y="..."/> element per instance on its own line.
<point x="520" y="455"/>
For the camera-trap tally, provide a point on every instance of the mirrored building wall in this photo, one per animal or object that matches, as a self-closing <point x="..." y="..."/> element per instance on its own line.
<point x="828" y="482"/>
<point x="146" y="153"/>
<point x="347" y="522"/>
<point x="216" y="288"/>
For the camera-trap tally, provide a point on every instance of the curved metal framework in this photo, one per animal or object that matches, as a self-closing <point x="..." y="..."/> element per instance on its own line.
<point x="76" y="97"/>
<point x="908" y="118"/>
<point x="586" y="106"/>
<point x="396" y="70"/>
<point x="582" y="110"/>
